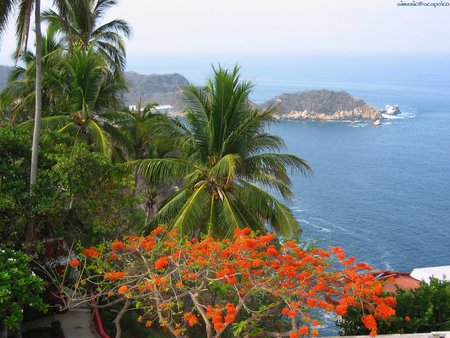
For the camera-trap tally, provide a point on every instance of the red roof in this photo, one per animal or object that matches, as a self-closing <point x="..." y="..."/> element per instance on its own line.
<point x="395" y="280"/>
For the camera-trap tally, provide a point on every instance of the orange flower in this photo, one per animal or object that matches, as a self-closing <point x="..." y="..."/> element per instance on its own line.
<point x="257" y="263"/>
<point x="190" y="318"/>
<point x="303" y="331"/>
<point x="113" y="275"/>
<point x="147" y="244"/>
<point x="231" y="313"/>
<point x="122" y="290"/>
<point x="91" y="252"/>
<point x="74" y="262"/>
<point x="369" y="322"/>
<point x="112" y="257"/>
<point x="118" y="245"/>
<point x="161" y="263"/>
<point x="407" y="318"/>
<point x="157" y="231"/>
<point x="384" y="311"/>
<point x="272" y="251"/>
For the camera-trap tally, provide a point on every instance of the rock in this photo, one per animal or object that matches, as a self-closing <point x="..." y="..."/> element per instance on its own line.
<point x="391" y="110"/>
<point x="377" y="123"/>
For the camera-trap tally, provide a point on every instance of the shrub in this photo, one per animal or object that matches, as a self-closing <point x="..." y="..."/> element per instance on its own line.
<point x="424" y="309"/>
<point x="19" y="286"/>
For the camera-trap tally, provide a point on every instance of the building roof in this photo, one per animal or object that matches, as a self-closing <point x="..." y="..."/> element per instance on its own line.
<point x="439" y="272"/>
<point x="394" y="280"/>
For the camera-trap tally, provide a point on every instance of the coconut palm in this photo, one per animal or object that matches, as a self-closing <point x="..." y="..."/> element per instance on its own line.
<point x="80" y="23"/>
<point x="225" y="158"/>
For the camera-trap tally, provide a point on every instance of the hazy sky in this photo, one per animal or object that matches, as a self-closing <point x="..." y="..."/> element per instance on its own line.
<point x="276" y="26"/>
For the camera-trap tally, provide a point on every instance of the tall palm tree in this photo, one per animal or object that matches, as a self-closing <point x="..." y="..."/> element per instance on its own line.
<point x="80" y="23"/>
<point x="225" y="157"/>
<point x="22" y="32"/>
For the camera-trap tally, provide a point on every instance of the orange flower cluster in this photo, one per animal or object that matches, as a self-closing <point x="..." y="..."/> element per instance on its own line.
<point x="216" y="315"/>
<point x="161" y="263"/>
<point x="118" y="245"/>
<point x="231" y="313"/>
<point x="370" y="323"/>
<point x="122" y="290"/>
<point x="91" y="252"/>
<point x="190" y="318"/>
<point x="114" y="275"/>
<point x="74" y="262"/>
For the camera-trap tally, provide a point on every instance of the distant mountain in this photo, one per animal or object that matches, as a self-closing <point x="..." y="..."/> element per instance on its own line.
<point x="161" y="89"/>
<point x="322" y="105"/>
<point x="4" y="73"/>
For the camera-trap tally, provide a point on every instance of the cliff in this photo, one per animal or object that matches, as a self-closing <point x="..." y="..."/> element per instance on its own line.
<point x="322" y="105"/>
<point x="4" y="73"/>
<point x="161" y="89"/>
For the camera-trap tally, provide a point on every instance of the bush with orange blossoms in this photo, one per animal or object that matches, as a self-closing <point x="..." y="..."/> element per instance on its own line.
<point x="237" y="284"/>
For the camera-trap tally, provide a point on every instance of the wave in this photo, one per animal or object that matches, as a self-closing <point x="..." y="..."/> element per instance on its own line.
<point x="321" y="228"/>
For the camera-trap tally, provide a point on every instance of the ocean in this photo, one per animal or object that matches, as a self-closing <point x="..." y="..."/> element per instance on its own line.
<point x="382" y="193"/>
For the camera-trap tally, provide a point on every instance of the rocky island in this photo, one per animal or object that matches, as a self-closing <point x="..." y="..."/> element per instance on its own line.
<point x="323" y="105"/>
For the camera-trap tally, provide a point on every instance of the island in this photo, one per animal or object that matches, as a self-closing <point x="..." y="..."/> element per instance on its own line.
<point x="322" y="105"/>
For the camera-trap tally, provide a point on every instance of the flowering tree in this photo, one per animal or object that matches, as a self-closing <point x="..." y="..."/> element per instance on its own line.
<point x="242" y="285"/>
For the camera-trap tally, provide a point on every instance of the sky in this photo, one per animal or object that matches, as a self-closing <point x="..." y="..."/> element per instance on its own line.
<point x="201" y="27"/>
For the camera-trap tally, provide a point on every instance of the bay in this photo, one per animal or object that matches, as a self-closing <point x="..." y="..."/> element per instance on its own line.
<point x="382" y="193"/>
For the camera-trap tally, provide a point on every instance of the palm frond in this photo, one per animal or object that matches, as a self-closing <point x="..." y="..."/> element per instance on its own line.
<point x="99" y="137"/>
<point x="54" y="122"/>
<point x="192" y="215"/>
<point x="227" y="167"/>
<point x="6" y="8"/>
<point x="158" y="171"/>
<point x="276" y="214"/>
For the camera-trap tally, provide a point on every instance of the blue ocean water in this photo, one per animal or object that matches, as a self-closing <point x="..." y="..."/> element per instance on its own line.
<point x="382" y="193"/>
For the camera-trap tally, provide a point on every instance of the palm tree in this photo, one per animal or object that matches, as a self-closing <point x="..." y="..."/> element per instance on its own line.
<point x="79" y="22"/>
<point x="22" y="31"/>
<point x="225" y="158"/>
<point x="90" y="94"/>
<point x="18" y="97"/>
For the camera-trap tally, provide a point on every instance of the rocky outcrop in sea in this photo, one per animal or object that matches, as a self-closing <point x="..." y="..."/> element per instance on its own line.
<point x="322" y="105"/>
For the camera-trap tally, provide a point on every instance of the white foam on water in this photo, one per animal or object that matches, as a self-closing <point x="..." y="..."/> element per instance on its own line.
<point x="321" y="228"/>
<point x="358" y="125"/>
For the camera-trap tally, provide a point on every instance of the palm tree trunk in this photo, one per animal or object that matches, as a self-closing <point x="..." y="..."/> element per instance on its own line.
<point x="37" y="113"/>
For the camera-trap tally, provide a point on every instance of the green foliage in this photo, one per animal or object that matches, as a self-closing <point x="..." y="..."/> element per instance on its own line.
<point x="15" y="154"/>
<point x="424" y="309"/>
<point x="18" y="286"/>
<point x="80" y="193"/>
